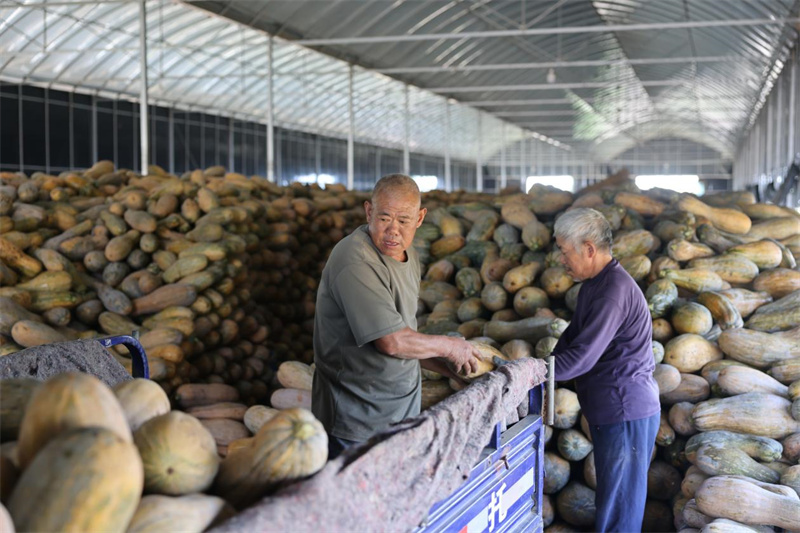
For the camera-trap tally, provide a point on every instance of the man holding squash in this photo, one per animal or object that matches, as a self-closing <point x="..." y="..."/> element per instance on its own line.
<point x="366" y="348"/>
<point x="607" y="349"/>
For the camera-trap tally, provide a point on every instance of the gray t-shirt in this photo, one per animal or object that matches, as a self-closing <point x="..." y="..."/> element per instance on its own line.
<point x="364" y="295"/>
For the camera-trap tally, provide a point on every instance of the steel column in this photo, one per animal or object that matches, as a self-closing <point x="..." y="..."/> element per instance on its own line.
<point x="46" y="130"/>
<point x="231" y="159"/>
<point x="407" y="133"/>
<point x="351" y="131"/>
<point x="144" y="137"/>
<point x="503" y="177"/>
<point x="522" y="172"/>
<point x="479" y="157"/>
<point x="71" y="131"/>
<point x="793" y="107"/>
<point x="448" y="178"/>
<point x="770" y="130"/>
<point x="270" y="115"/>
<point x="779" y="160"/>
<point x="171" y="139"/>
<point x="95" y="149"/>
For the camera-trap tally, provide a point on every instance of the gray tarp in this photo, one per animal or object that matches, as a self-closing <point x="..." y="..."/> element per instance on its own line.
<point x="42" y="362"/>
<point x="390" y="483"/>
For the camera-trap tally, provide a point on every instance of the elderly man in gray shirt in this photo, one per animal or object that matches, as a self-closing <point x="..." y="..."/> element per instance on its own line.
<point x="366" y="347"/>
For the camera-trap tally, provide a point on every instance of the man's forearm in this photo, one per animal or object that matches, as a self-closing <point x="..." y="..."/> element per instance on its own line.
<point x="409" y="344"/>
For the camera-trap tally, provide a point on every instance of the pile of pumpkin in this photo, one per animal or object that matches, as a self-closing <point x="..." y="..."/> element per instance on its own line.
<point x="721" y="280"/>
<point x="79" y="456"/>
<point x="219" y="273"/>
<point x="216" y="271"/>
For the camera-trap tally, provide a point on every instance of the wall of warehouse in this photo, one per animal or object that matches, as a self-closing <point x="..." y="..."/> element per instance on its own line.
<point x="52" y="131"/>
<point x="772" y="140"/>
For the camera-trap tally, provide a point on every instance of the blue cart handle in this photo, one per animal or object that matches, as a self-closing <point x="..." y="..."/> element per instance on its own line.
<point x="138" y="357"/>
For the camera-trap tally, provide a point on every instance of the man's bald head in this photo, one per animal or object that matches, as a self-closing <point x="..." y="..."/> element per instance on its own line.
<point x="396" y="184"/>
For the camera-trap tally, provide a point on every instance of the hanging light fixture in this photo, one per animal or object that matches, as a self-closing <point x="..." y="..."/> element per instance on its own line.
<point x="551" y="76"/>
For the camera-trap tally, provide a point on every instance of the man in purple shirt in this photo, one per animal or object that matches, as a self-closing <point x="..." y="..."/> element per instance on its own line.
<point x="607" y="350"/>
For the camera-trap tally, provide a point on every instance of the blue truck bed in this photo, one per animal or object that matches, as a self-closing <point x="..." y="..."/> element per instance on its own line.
<point x="503" y="491"/>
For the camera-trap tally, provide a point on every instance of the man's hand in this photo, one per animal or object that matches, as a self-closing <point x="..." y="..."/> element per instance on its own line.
<point x="463" y="356"/>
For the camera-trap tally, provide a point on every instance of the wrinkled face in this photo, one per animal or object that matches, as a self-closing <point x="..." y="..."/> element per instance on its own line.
<point x="577" y="261"/>
<point x="393" y="220"/>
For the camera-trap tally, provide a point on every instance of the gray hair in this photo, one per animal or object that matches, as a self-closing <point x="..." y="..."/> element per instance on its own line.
<point x="396" y="182"/>
<point x="581" y="225"/>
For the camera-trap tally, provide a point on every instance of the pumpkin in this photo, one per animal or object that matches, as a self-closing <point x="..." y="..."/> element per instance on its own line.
<point x="517" y="349"/>
<point x="760" y="349"/>
<point x="433" y="392"/>
<point x="192" y="513"/>
<point x="660" y="295"/>
<point x="765" y="254"/>
<point x="84" y="479"/>
<point x="225" y="430"/>
<point x="691" y="389"/>
<point x="696" y="280"/>
<point x="179" y="454"/>
<point x="15" y="394"/>
<point x="556" y="473"/>
<point x="692" y="318"/>
<point x="566" y="408"/>
<point x="745" y="301"/>
<point x="193" y="394"/>
<point x="141" y="400"/>
<point x="755" y="413"/>
<point x="657" y="516"/>
<point x="791" y="478"/>
<point x="292" y="445"/>
<point x="665" y="435"/>
<point x="573" y="445"/>
<point x="778" y="282"/>
<point x="693" y="517"/>
<point x="723" y="218"/>
<point x="735" y="380"/>
<point x="692" y="480"/>
<point x="722" y="310"/>
<point x="663" y="480"/>
<point x="779" y="315"/>
<point x="749" y="502"/>
<point x="548" y="511"/>
<point x="680" y="418"/>
<point x="733" y="268"/>
<point x="556" y="282"/>
<point x="521" y="276"/>
<point x="717" y="460"/>
<point x="667" y="378"/>
<point x="690" y="352"/>
<point x="295" y="375"/>
<point x="590" y="472"/>
<point x="258" y="415"/>
<point x="575" y="504"/>
<point x="711" y="371"/>
<point x="64" y="402"/>
<point x="231" y="410"/>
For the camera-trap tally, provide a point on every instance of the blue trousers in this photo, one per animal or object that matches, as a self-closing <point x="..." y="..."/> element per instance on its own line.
<point x="622" y="457"/>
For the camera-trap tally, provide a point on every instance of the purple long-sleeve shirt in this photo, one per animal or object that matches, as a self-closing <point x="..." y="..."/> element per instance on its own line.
<point x="608" y="350"/>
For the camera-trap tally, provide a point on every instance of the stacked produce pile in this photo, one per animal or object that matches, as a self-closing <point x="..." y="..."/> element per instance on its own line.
<point x="216" y="271"/>
<point x="219" y="274"/>
<point x="723" y="288"/>
<point x="78" y="456"/>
